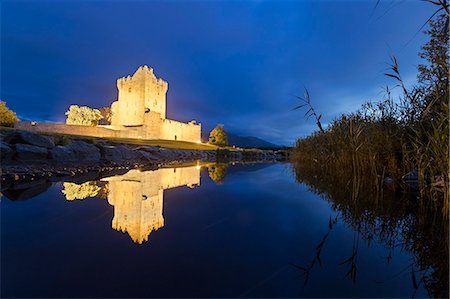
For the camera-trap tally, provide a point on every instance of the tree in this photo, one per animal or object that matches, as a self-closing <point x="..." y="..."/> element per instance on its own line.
<point x="83" y="116"/>
<point x="433" y="74"/>
<point x="106" y="116"/>
<point x="218" y="136"/>
<point x="7" y="116"/>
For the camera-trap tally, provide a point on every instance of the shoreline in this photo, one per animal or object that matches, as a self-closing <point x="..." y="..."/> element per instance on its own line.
<point x="29" y="159"/>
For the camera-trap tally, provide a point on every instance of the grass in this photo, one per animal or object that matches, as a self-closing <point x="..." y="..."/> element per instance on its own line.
<point x="172" y="144"/>
<point x="163" y="143"/>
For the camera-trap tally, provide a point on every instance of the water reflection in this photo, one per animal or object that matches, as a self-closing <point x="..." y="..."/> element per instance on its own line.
<point x="137" y="197"/>
<point x="250" y="230"/>
<point x="218" y="171"/>
<point x="398" y="220"/>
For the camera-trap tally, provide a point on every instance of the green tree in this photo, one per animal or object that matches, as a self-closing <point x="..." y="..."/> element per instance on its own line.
<point x="83" y="116"/>
<point x="218" y="136"/>
<point x="7" y="116"/>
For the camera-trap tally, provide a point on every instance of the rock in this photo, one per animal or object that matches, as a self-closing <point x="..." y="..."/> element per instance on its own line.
<point x="150" y="149"/>
<point x="118" y="153"/>
<point x="16" y="193"/>
<point x="84" y="177"/>
<point x="30" y="152"/>
<point x="84" y="151"/>
<point x="30" y="138"/>
<point x="6" y="152"/>
<point x="147" y="156"/>
<point x="389" y="181"/>
<point x="62" y="153"/>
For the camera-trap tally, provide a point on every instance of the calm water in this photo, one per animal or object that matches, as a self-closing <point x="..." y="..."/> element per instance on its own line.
<point x="175" y="232"/>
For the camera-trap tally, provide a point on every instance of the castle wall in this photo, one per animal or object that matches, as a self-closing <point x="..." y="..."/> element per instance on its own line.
<point x="154" y="128"/>
<point x="174" y="130"/>
<point x="41" y="127"/>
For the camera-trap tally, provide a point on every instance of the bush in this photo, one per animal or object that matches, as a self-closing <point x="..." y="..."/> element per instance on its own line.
<point x="7" y="116"/>
<point x="83" y="116"/>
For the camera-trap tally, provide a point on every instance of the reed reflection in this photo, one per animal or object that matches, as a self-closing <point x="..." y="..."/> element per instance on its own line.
<point x="137" y="197"/>
<point x="398" y="220"/>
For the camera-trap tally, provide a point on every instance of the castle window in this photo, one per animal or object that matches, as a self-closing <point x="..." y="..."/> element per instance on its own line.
<point x="175" y="137"/>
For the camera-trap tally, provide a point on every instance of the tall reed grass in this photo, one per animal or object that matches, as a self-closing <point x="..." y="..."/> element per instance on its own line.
<point x="392" y="137"/>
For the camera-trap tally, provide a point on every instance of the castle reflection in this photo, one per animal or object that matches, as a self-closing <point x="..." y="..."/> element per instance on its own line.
<point x="137" y="197"/>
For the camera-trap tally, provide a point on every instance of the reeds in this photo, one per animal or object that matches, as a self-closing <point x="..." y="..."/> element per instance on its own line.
<point x="390" y="138"/>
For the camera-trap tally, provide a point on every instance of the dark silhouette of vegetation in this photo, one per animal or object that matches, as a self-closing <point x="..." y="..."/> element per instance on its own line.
<point x="218" y="136"/>
<point x="306" y="269"/>
<point x="387" y="139"/>
<point x="7" y="116"/>
<point x="392" y="218"/>
<point x="306" y="102"/>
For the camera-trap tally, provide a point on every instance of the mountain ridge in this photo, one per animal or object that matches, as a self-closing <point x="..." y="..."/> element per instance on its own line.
<point x="247" y="141"/>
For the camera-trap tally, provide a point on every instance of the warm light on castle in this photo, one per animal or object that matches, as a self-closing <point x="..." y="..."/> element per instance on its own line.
<point x="139" y="112"/>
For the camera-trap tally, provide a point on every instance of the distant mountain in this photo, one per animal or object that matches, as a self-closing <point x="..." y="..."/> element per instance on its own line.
<point x="249" y="142"/>
<point x="246" y="141"/>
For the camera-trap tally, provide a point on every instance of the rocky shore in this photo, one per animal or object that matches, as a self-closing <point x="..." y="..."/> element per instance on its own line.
<point x="28" y="157"/>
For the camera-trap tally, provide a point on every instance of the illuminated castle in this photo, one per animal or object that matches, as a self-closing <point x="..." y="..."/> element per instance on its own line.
<point x="140" y="96"/>
<point x="141" y="110"/>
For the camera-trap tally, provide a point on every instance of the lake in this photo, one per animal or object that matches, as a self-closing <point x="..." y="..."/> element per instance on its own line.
<point x="243" y="230"/>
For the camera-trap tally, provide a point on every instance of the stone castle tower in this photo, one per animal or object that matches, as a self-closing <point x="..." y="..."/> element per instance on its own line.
<point x="139" y="94"/>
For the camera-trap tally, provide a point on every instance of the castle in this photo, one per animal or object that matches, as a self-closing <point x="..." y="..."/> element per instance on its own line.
<point x="139" y="112"/>
<point x="141" y="109"/>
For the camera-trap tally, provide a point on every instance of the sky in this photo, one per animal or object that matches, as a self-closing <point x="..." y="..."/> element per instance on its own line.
<point x="237" y="63"/>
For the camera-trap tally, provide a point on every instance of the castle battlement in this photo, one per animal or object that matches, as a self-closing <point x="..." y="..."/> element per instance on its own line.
<point x="142" y="71"/>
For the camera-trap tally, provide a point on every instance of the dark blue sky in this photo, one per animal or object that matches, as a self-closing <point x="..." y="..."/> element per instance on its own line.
<point x="236" y="63"/>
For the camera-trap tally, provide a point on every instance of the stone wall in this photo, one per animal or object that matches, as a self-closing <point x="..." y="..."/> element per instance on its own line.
<point x="174" y="130"/>
<point x="41" y="127"/>
<point x="154" y="128"/>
